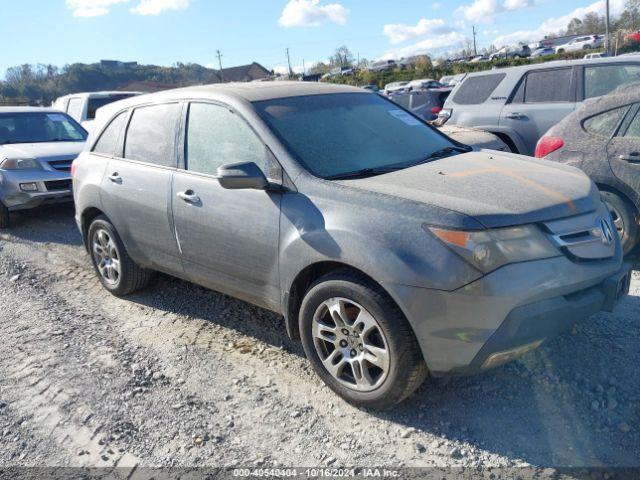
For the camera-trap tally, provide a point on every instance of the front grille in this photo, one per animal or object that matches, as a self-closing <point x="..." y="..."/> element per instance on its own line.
<point x="61" y="165"/>
<point x="591" y="236"/>
<point x="58" y="185"/>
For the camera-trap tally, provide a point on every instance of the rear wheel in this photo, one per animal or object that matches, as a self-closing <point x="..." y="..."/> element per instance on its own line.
<point x="624" y="219"/>
<point x="359" y="342"/>
<point x="4" y="216"/>
<point x="117" y="272"/>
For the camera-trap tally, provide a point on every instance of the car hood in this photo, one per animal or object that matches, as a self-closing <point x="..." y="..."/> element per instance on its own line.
<point x="42" y="151"/>
<point x="494" y="188"/>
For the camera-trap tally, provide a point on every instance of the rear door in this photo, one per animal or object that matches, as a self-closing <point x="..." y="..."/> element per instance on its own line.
<point x="136" y="189"/>
<point x="228" y="238"/>
<point x="624" y="152"/>
<point x="542" y="99"/>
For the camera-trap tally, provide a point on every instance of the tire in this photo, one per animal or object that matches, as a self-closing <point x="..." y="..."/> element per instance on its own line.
<point x="400" y="368"/>
<point x="4" y="216"/>
<point x="123" y="277"/>
<point x="624" y="219"/>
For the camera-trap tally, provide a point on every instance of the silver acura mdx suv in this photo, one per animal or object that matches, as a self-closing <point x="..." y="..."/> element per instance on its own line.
<point x="392" y="251"/>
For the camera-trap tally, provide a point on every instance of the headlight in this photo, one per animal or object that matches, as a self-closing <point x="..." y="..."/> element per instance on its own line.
<point x="20" y="164"/>
<point x="488" y="250"/>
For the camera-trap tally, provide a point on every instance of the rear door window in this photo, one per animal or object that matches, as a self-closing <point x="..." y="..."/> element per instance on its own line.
<point x="634" y="127"/>
<point x="605" y="124"/>
<point x="151" y="136"/>
<point x="476" y="90"/>
<point x="549" y="86"/>
<point x="602" y="79"/>
<point x="108" y="142"/>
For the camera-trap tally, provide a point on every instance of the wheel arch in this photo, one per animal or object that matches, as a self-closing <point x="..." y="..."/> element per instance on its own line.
<point x="88" y="215"/>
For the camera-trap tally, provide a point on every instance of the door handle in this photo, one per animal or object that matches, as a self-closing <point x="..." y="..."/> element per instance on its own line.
<point x="516" y="116"/>
<point x="189" y="196"/>
<point x="633" y="157"/>
<point x="115" y="178"/>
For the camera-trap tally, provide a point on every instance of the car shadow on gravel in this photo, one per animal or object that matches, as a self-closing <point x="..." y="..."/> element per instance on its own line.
<point x="53" y="224"/>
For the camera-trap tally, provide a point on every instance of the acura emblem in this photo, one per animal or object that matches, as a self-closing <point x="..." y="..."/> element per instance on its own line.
<point x="607" y="233"/>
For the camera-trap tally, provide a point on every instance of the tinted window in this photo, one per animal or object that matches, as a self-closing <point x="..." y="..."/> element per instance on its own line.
<point x="605" y="123"/>
<point x="634" y="128"/>
<point x="96" y="103"/>
<point x="600" y="80"/>
<point x="151" y="135"/>
<point x="549" y="86"/>
<point x="108" y="142"/>
<point x="216" y="136"/>
<point x="336" y="134"/>
<point x="75" y="108"/>
<point x="476" y="90"/>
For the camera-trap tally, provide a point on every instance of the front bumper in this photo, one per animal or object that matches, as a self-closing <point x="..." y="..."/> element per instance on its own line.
<point x="509" y="311"/>
<point x="52" y="187"/>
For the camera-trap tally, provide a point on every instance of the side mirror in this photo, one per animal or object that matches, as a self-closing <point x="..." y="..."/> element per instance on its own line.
<point x="242" y="176"/>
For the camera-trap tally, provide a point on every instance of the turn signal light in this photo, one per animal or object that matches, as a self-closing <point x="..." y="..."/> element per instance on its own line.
<point x="546" y="145"/>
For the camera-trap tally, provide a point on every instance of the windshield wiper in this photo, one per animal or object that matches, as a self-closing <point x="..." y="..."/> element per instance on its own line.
<point x="365" y="172"/>
<point x="442" y="153"/>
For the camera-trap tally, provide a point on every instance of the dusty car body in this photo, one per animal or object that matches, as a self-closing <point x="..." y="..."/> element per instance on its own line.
<point x="391" y="250"/>
<point x="37" y="147"/>
<point x="474" y="137"/>
<point x="603" y="139"/>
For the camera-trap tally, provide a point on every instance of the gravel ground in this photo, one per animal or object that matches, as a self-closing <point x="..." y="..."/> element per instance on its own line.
<point x="181" y="376"/>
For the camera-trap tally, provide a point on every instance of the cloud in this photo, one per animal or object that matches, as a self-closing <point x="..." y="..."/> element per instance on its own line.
<point x="555" y="24"/>
<point x="485" y="10"/>
<point x="436" y="5"/>
<point x="428" y="45"/>
<point x="155" y="7"/>
<point x="91" y="8"/>
<point x="398" y="32"/>
<point x="309" y="13"/>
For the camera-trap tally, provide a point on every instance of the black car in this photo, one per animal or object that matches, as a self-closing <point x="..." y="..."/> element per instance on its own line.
<point x="603" y="139"/>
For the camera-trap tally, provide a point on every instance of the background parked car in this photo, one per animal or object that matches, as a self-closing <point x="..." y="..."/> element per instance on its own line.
<point x="474" y="137"/>
<point x="543" y="52"/>
<point x="589" y="56"/>
<point x="383" y="65"/>
<point x="425" y="104"/>
<point x="586" y="42"/>
<point x="423" y="83"/>
<point x="513" y="51"/>
<point x="395" y="87"/>
<point x="37" y="146"/>
<point x="520" y="104"/>
<point x="603" y="139"/>
<point x="452" y="80"/>
<point x="82" y="107"/>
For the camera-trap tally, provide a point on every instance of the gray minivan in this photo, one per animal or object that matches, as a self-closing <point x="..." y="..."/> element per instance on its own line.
<point x="391" y="250"/>
<point x="520" y="104"/>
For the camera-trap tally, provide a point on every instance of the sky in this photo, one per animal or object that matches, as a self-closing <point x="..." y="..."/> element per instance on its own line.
<point x="164" y="32"/>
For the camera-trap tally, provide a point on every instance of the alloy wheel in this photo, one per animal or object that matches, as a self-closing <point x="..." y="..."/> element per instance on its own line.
<point x="106" y="256"/>
<point x="618" y="220"/>
<point x="351" y="344"/>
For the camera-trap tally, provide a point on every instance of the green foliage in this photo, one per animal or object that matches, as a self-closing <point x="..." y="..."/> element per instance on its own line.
<point x="41" y="84"/>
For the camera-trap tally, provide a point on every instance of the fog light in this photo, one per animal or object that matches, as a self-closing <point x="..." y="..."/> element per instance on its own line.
<point x="29" y="187"/>
<point x="505" y="356"/>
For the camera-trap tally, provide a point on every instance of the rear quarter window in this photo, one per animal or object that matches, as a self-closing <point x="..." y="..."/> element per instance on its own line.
<point x="606" y="123"/>
<point x="476" y="90"/>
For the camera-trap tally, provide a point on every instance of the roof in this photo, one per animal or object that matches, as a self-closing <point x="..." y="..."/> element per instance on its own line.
<point x="148" y="87"/>
<point x="244" y="73"/>
<point x="257" y="91"/>
<point x="27" y="109"/>
<point x="623" y="95"/>
<point x="99" y="94"/>
<point x="557" y="63"/>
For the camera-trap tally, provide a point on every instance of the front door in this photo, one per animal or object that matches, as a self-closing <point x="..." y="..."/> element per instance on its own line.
<point x="543" y="98"/>
<point x="624" y="153"/>
<point x="136" y="189"/>
<point x="228" y="238"/>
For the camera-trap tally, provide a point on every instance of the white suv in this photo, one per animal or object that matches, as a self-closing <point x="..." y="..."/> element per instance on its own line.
<point x="82" y="106"/>
<point x="586" y="42"/>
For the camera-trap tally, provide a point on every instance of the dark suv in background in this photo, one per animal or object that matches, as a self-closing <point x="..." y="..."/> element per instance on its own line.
<point x="520" y="104"/>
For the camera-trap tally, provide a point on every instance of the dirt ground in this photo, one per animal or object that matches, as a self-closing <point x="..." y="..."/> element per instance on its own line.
<point x="185" y="377"/>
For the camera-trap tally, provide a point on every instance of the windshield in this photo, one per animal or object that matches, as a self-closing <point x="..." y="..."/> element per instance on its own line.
<point x="337" y="134"/>
<point x="39" y="127"/>
<point x="96" y="103"/>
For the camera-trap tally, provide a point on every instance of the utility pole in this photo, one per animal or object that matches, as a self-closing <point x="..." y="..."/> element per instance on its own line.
<point x="607" y="33"/>
<point x="475" y="48"/>
<point x="289" y="63"/>
<point x="219" y="55"/>
<point x="304" y="69"/>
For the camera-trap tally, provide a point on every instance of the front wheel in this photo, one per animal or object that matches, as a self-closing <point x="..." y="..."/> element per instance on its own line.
<point x="624" y="219"/>
<point x="4" y="216"/>
<point x="359" y="342"/>
<point x="117" y="272"/>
